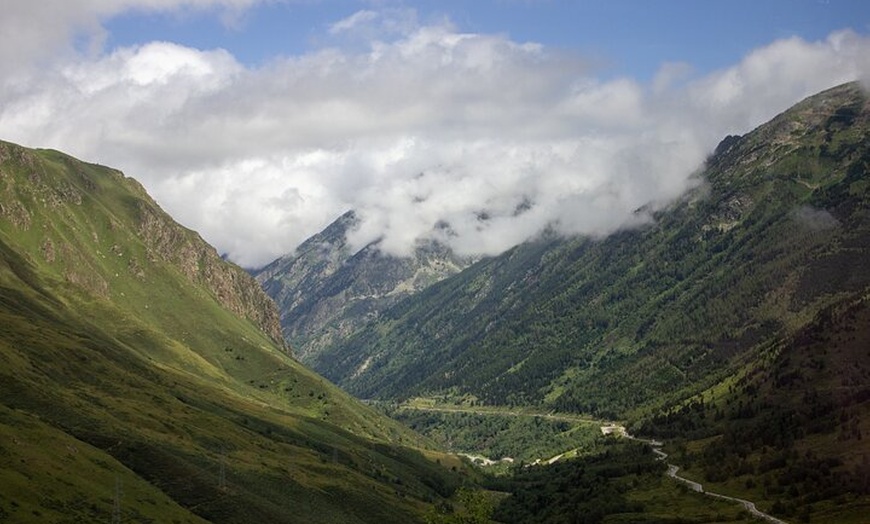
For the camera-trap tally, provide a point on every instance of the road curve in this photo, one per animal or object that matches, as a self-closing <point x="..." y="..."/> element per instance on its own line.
<point x="695" y="486"/>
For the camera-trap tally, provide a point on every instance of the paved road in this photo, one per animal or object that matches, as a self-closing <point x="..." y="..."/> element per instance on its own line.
<point x="567" y="417"/>
<point x="695" y="486"/>
<point x="609" y="428"/>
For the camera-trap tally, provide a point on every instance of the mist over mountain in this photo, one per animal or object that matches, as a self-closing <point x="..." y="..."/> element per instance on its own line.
<point x="731" y="321"/>
<point x="496" y="137"/>
<point x="607" y="325"/>
<point x="549" y="262"/>
<point x="325" y="290"/>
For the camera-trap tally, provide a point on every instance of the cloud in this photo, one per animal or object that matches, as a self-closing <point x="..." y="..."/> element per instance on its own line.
<point x="424" y="130"/>
<point x="770" y="79"/>
<point x="353" y="22"/>
<point x="815" y="220"/>
<point x="35" y="32"/>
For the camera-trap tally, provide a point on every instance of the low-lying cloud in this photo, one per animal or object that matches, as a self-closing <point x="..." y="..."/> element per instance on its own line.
<point x="425" y="131"/>
<point x="815" y="220"/>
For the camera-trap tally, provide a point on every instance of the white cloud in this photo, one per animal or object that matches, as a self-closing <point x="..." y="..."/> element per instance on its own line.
<point x="770" y="79"/>
<point x="353" y="21"/>
<point x="35" y="32"/>
<point x="426" y="131"/>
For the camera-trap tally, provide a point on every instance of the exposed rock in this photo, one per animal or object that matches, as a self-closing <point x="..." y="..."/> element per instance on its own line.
<point x="235" y="289"/>
<point x="326" y="291"/>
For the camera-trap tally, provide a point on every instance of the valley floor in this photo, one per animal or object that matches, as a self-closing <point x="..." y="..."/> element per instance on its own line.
<point x="610" y="479"/>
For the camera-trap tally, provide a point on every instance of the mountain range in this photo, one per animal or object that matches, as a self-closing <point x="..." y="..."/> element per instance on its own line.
<point x="326" y="290"/>
<point x="145" y="379"/>
<point x="732" y="320"/>
<point x="774" y="231"/>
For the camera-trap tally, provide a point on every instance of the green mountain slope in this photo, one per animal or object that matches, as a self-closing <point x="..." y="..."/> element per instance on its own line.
<point x="139" y="371"/>
<point x="325" y="290"/>
<point x="776" y="231"/>
<point x="734" y="325"/>
<point x="789" y="430"/>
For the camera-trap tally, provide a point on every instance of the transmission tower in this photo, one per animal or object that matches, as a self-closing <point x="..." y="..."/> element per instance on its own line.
<point x="116" y="502"/>
<point x="222" y="477"/>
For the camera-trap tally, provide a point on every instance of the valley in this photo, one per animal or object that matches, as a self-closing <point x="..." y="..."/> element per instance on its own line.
<point x="731" y="325"/>
<point x="144" y="378"/>
<point x="434" y="262"/>
<point x="502" y="465"/>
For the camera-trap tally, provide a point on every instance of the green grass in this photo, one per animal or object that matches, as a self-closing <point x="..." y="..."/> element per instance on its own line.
<point x="665" y="500"/>
<point x="81" y="483"/>
<point x="174" y="432"/>
<point x="130" y="351"/>
<point x="522" y="436"/>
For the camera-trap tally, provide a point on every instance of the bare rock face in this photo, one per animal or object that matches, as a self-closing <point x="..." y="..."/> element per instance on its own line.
<point x="325" y="291"/>
<point x="197" y="260"/>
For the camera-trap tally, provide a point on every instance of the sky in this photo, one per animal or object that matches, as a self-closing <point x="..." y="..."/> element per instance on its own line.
<point x="475" y="123"/>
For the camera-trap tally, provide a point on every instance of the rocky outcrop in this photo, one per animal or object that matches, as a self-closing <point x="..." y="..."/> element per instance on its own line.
<point x="326" y="290"/>
<point x="200" y="263"/>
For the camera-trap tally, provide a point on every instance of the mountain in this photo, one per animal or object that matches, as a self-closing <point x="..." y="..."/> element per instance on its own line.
<point x="145" y="379"/>
<point x="734" y="324"/>
<point x="789" y="429"/>
<point x="326" y="290"/>
<point x="775" y="231"/>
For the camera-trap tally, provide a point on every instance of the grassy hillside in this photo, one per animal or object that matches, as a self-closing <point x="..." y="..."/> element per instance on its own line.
<point x="136" y="366"/>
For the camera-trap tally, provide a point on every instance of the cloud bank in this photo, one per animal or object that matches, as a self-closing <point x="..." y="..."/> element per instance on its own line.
<point x="426" y="131"/>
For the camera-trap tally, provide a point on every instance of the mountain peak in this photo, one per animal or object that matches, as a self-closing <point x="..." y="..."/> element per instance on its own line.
<point x="325" y="289"/>
<point x="87" y="215"/>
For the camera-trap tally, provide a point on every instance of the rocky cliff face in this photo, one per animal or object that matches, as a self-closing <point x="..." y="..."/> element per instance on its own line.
<point x="234" y="288"/>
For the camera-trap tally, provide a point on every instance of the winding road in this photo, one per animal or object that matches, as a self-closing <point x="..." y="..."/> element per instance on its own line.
<point x="656" y="446"/>
<point x="695" y="486"/>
